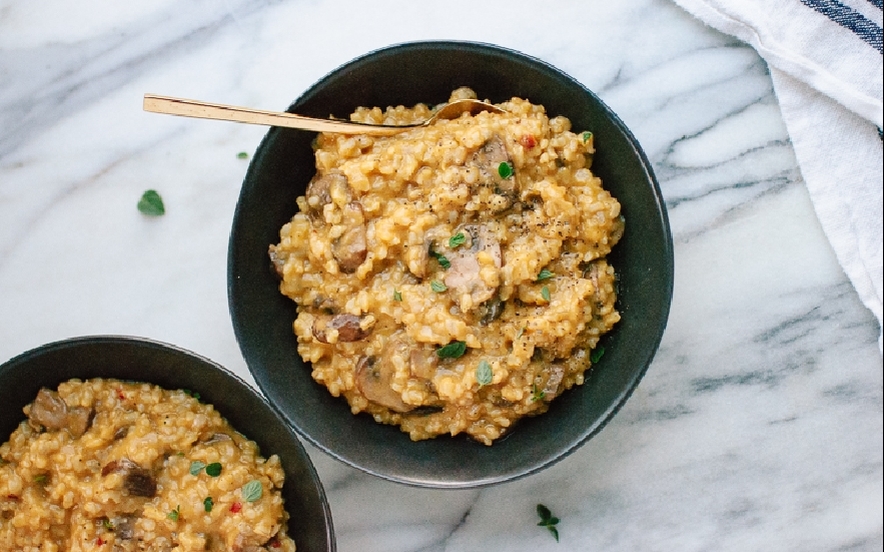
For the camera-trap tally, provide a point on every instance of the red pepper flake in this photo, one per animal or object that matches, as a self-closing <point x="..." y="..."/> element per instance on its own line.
<point x="99" y="541"/>
<point x="528" y="141"/>
<point x="274" y="543"/>
<point x="120" y="394"/>
<point x="236" y="507"/>
<point x="12" y="497"/>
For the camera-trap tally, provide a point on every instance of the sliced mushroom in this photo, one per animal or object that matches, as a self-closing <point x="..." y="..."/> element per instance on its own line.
<point x="617" y="232"/>
<point x="217" y="438"/>
<point x="319" y="190"/>
<point x="416" y="258"/>
<point x="422" y="362"/>
<point x="50" y="411"/>
<point x="374" y="379"/>
<point x="555" y="373"/>
<point x="348" y="326"/>
<point x="463" y="276"/>
<point x="490" y="310"/>
<point x="124" y="527"/>
<point x="137" y="481"/>
<point x="351" y="249"/>
<point x="277" y="261"/>
<point x="488" y="159"/>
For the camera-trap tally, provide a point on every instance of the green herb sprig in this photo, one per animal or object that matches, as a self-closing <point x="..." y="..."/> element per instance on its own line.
<point x="455" y="349"/>
<point x="484" y="375"/>
<point x="548" y="520"/>
<point x="174" y="514"/>
<point x="212" y="470"/>
<point x="151" y="204"/>
<point x="441" y="259"/>
<point x="252" y="491"/>
<point x="457" y="240"/>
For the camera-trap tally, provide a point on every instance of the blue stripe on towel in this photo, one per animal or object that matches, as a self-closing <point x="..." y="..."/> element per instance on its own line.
<point x="849" y="19"/>
<point x="877" y="4"/>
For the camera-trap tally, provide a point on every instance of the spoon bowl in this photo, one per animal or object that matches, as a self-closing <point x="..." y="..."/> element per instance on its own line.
<point x="205" y="110"/>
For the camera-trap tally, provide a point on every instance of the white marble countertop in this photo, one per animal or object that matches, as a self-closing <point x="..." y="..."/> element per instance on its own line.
<point x="759" y="423"/>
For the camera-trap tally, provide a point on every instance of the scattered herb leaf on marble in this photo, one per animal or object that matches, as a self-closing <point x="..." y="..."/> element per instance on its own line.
<point x="548" y="520"/>
<point x="151" y="204"/>
<point x="242" y="155"/>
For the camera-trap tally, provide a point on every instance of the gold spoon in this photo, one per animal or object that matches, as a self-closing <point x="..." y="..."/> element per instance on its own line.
<point x="206" y="110"/>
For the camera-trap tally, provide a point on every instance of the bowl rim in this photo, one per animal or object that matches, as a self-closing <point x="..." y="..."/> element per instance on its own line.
<point x="667" y="255"/>
<point x="72" y="343"/>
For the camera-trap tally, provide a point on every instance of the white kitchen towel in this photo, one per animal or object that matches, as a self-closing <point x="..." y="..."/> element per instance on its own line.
<point x="825" y="59"/>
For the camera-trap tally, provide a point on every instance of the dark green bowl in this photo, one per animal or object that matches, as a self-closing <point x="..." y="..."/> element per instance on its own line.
<point x="262" y="318"/>
<point x="131" y="358"/>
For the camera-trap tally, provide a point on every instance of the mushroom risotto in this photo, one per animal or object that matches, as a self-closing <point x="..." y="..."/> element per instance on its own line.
<point x="452" y="279"/>
<point x="116" y="466"/>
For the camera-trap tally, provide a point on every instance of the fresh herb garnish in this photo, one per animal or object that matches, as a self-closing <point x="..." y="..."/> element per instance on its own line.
<point x="151" y="204"/>
<point x="596" y="354"/>
<point x="446" y="264"/>
<point x="456" y="240"/>
<point x="242" y="155"/>
<point x="193" y="394"/>
<point x="208" y="503"/>
<point x="252" y="490"/>
<point x="397" y="295"/>
<point x="438" y="286"/>
<point x="544" y="292"/>
<point x="196" y="467"/>
<point x="483" y="373"/>
<point x="174" y="514"/>
<point x="537" y="394"/>
<point x="587" y="136"/>
<point x="213" y="469"/>
<point x="455" y="349"/>
<point x="520" y="333"/>
<point x="505" y="170"/>
<point x="40" y="479"/>
<point x="107" y="524"/>
<point x="544" y="275"/>
<point x="548" y="520"/>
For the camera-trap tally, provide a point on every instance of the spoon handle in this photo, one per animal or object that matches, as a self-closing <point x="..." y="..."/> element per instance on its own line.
<point x="205" y="110"/>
